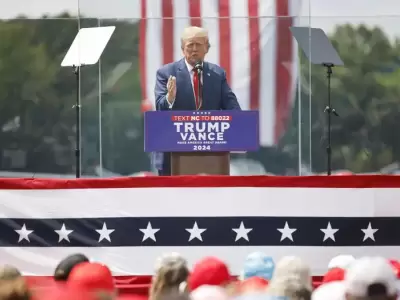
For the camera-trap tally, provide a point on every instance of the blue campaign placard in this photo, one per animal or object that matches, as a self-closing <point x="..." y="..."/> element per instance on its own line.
<point x="186" y="131"/>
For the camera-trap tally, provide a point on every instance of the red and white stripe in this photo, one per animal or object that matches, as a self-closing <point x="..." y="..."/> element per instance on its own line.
<point x="266" y="196"/>
<point x="250" y="39"/>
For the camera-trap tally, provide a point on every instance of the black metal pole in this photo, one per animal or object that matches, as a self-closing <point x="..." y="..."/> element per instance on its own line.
<point x="78" y="125"/>
<point x="329" y="110"/>
<point x="329" y="147"/>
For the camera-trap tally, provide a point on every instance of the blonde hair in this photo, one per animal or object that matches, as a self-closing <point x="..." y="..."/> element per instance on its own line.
<point x="292" y="265"/>
<point x="9" y="273"/>
<point x="290" y="286"/>
<point x="193" y="31"/>
<point x="16" y="289"/>
<point x="291" y="279"/>
<point x="171" y="275"/>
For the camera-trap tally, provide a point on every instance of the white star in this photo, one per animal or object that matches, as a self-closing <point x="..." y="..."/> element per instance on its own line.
<point x="105" y="233"/>
<point x="287" y="232"/>
<point x="149" y="232"/>
<point x="195" y="232"/>
<point x="369" y="232"/>
<point x="63" y="233"/>
<point x="329" y="232"/>
<point x="242" y="232"/>
<point x="23" y="233"/>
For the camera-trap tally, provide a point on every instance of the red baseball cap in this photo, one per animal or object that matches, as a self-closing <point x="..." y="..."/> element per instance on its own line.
<point x="396" y="267"/>
<point x="253" y="283"/>
<point x="91" y="276"/>
<point x="209" y="271"/>
<point x="335" y="274"/>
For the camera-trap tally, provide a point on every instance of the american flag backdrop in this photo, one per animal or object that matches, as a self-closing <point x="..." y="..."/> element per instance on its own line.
<point x="250" y="39"/>
<point x="127" y="223"/>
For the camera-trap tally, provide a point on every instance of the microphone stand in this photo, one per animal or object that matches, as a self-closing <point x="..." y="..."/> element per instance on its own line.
<point x="199" y="69"/>
<point x="77" y="107"/>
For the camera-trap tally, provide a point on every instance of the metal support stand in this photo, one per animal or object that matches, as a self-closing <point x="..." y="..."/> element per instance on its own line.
<point x="329" y="110"/>
<point x="77" y="107"/>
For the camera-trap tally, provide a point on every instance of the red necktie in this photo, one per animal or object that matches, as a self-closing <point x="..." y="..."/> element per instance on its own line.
<point x="196" y="89"/>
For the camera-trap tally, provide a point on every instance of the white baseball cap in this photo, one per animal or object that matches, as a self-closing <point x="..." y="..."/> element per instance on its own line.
<point x="329" y="291"/>
<point x="368" y="271"/>
<point x="341" y="261"/>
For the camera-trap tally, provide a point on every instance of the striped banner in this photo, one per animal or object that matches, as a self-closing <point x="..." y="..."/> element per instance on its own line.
<point x="127" y="223"/>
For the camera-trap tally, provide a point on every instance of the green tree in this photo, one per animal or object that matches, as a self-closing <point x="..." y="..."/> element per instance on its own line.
<point x="39" y="93"/>
<point x="365" y="93"/>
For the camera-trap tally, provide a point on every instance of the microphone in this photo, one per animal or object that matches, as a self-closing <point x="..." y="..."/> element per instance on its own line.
<point x="198" y="67"/>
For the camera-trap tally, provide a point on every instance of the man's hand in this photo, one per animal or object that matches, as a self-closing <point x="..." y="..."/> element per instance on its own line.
<point x="171" y="87"/>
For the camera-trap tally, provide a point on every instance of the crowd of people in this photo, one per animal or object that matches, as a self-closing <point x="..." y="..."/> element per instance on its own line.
<point x="347" y="278"/>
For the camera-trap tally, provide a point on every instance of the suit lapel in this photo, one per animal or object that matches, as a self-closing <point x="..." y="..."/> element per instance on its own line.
<point x="184" y="85"/>
<point x="207" y="83"/>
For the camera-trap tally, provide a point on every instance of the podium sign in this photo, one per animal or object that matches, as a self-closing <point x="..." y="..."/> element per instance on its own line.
<point x="190" y="131"/>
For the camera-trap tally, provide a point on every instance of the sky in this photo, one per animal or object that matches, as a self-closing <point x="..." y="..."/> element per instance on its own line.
<point x="324" y="13"/>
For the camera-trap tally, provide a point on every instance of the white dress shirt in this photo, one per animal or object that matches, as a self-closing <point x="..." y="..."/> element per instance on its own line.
<point x="191" y="73"/>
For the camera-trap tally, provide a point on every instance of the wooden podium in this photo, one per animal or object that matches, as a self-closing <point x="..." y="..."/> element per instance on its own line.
<point x="193" y="163"/>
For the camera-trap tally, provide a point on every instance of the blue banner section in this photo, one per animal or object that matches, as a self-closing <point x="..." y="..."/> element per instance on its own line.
<point x="189" y="131"/>
<point x="175" y="231"/>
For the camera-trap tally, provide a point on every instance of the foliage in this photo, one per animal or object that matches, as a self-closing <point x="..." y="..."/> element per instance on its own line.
<point x="37" y="95"/>
<point x="37" y="92"/>
<point x="365" y="93"/>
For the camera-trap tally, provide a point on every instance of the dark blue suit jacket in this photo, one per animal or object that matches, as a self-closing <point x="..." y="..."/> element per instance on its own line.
<point x="217" y="95"/>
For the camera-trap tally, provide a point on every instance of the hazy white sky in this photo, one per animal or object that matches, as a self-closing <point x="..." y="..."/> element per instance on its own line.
<point x="325" y="13"/>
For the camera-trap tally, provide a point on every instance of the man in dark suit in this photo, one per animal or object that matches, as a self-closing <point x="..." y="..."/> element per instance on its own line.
<point x="177" y="85"/>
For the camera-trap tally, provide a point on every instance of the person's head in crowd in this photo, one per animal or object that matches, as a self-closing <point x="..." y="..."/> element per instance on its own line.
<point x="335" y="274"/>
<point x="209" y="292"/>
<point x="342" y="261"/>
<point x="64" y="292"/>
<point x="65" y="267"/>
<point x="370" y="278"/>
<point x="8" y="272"/>
<point x="174" y="295"/>
<point x="93" y="277"/>
<point x="290" y="286"/>
<point x="171" y="274"/>
<point x="329" y="291"/>
<point x="292" y="265"/>
<point x="252" y="285"/>
<point x="15" y="289"/>
<point x="135" y="297"/>
<point x="292" y="278"/>
<point x="258" y="264"/>
<point x="209" y="271"/>
<point x="396" y="267"/>
<point x="104" y="296"/>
